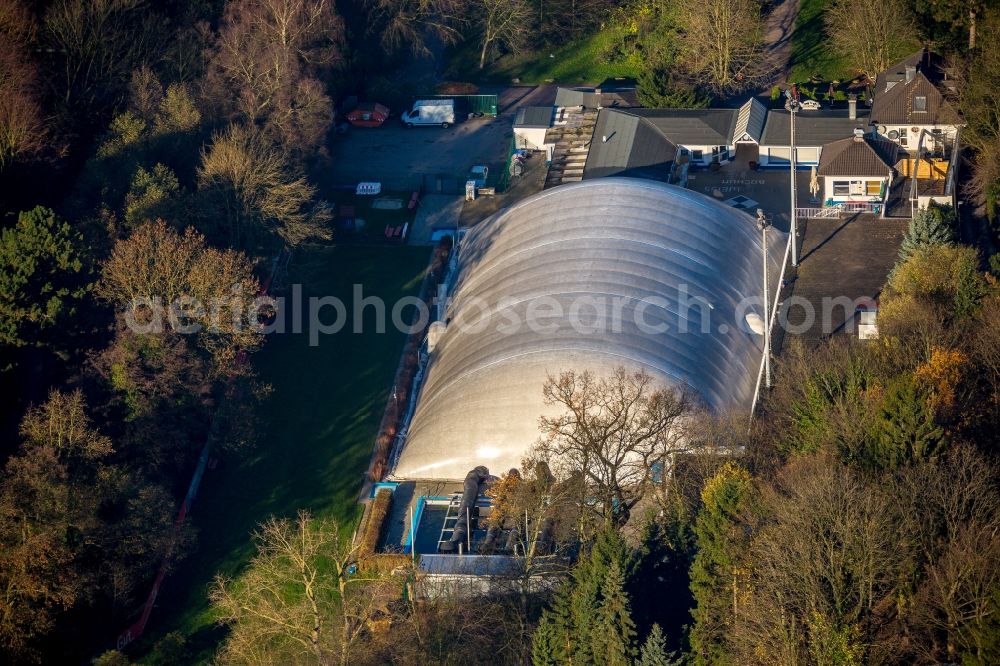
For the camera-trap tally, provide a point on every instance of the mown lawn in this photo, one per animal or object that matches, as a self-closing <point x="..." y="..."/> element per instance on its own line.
<point x="812" y="53"/>
<point x="584" y="60"/>
<point x="320" y="423"/>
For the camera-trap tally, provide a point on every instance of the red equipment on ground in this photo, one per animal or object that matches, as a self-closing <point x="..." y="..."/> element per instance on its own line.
<point x="368" y="114"/>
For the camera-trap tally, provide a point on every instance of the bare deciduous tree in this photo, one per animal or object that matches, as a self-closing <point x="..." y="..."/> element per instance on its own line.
<point x="96" y="44"/>
<point x="615" y="432"/>
<point x="254" y="192"/>
<point x="723" y="43"/>
<point x="955" y="609"/>
<point x="823" y="564"/>
<point x="297" y="589"/>
<point x="157" y="265"/>
<point x="271" y="55"/>
<point x="868" y="33"/>
<point x="502" y="24"/>
<point x="411" y="23"/>
<point x="22" y="126"/>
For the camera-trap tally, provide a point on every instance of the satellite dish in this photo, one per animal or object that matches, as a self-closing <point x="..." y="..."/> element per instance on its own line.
<point x="893" y="134"/>
<point x="881" y="129"/>
<point x="755" y="323"/>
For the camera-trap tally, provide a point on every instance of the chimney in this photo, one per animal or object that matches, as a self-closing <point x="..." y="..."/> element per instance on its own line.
<point x="911" y="71"/>
<point x="852" y="106"/>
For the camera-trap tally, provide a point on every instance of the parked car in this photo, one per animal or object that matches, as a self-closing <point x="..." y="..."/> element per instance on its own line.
<point x="478" y="175"/>
<point x="440" y="112"/>
<point x="368" y="114"/>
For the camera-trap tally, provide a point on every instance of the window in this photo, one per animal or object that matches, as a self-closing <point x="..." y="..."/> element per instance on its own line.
<point x="696" y="155"/>
<point x="684" y="151"/>
<point x="902" y="136"/>
<point x="873" y="188"/>
<point x="920" y="103"/>
<point x="778" y="156"/>
<point x="723" y="152"/>
<point x="841" y="188"/>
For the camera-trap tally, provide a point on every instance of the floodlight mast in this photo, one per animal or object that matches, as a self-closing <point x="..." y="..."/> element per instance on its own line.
<point x="793" y="107"/>
<point x="763" y="224"/>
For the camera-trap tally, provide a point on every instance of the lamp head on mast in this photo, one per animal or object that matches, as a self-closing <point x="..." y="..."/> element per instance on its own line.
<point x="793" y="104"/>
<point x="762" y="221"/>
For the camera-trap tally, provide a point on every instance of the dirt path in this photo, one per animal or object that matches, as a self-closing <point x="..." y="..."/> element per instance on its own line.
<point x="778" y="31"/>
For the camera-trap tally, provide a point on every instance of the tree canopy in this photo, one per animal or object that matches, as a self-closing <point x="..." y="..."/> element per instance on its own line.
<point x="42" y="276"/>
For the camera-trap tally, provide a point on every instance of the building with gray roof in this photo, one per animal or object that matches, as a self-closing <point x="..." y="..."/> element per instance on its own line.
<point x="627" y="144"/>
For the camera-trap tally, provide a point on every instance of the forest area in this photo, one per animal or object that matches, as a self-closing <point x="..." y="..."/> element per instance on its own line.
<point x="151" y="149"/>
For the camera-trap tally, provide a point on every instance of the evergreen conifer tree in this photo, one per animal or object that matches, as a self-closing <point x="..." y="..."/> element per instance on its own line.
<point x="654" y="651"/>
<point x="545" y="642"/>
<point x="907" y="428"/>
<point x="41" y="276"/>
<point x="614" y="634"/>
<point x="719" y="570"/>
<point x="934" y="225"/>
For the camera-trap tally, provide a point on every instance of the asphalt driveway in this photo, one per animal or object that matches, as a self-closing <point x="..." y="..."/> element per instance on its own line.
<point x="405" y="159"/>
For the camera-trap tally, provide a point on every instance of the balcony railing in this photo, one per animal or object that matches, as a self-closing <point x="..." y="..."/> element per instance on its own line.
<point x="836" y="210"/>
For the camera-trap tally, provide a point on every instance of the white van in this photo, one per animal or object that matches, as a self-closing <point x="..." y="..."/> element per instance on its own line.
<point x="439" y="112"/>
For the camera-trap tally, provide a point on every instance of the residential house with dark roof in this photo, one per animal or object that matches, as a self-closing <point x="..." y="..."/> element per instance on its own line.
<point x="858" y="170"/>
<point x="900" y="149"/>
<point x="910" y="107"/>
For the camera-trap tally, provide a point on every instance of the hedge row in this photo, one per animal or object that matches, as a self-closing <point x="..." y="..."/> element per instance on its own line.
<point x="374" y="528"/>
<point x="384" y="563"/>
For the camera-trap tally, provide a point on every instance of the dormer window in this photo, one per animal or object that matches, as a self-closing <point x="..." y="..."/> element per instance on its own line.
<point x="920" y="103"/>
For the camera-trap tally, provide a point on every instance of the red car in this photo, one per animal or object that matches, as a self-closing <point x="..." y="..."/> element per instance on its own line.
<point x="368" y="114"/>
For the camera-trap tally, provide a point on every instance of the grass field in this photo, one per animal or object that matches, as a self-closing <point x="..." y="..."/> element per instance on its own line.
<point x="583" y="60"/>
<point x="320" y="425"/>
<point x="812" y="53"/>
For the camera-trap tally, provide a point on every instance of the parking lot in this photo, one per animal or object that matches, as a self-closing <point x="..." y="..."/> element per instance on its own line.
<point x="433" y="157"/>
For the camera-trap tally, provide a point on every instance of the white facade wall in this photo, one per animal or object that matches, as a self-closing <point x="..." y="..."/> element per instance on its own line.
<point x="703" y="155"/>
<point x="855" y="189"/>
<point x="940" y="199"/>
<point x="778" y="155"/>
<point x="908" y="138"/>
<point x="530" y="138"/>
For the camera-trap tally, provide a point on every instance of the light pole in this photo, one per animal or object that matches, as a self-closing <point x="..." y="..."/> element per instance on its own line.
<point x="763" y="224"/>
<point x="793" y="106"/>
